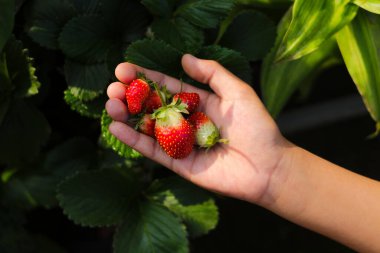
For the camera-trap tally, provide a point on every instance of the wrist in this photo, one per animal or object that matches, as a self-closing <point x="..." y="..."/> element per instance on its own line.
<point x="281" y="176"/>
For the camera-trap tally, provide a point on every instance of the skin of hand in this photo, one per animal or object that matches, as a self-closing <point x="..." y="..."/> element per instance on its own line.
<point x="255" y="147"/>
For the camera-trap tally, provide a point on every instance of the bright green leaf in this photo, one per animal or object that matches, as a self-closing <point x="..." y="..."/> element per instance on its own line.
<point x="156" y="55"/>
<point x="23" y="132"/>
<point x="359" y="43"/>
<point x="279" y="80"/>
<point x="199" y="218"/>
<point x="86" y="39"/>
<point x="112" y="142"/>
<point x="161" y="8"/>
<point x="369" y="5"/>
<point x="91" y="109"/>
<point x="251" y="33"/>
<point x="179" y="33"/>
<point x="205" y="13"/>
<point x="20" y="69"/>
<point x="91" y="77"/>
<point x="97" y="198"/>
<point x="7" y="12"/>
<point x="150" y="228"/>
<point x="84" y="94"/>
<point x="189" y="202"/>
<point x="313" y="22"/>
<point x="230" y="59"/>
<point x="47" y="20"/>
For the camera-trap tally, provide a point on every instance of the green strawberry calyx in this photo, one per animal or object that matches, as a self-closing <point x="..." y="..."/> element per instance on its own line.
<point x="170" y="115"/>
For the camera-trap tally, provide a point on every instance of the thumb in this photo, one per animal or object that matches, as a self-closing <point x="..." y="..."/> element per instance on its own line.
<point x="222" y="82"/>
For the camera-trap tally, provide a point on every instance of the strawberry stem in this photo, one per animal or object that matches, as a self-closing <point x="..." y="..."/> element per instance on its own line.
<point x="163" y="100"/>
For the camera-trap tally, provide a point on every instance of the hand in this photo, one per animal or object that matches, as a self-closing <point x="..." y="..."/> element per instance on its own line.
<point x="243" y="167"/>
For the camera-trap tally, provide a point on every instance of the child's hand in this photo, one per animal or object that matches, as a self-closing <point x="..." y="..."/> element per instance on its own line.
<point x="243" y="167"/>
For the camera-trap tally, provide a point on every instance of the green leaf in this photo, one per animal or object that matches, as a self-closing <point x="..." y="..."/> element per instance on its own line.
<point x="369" y="5"/>
<point x="23" y="132"/>
<point x="205" y="13"/>
<point x="250" y="28"/>
<point x="230" y="59"/>
<point x="279" y="80"/>
<point x="91" y="109"/>
<point x="112" y="142"/>
<point x="84" y="94"/>
<point x="7" y="13"/>
<point x="189" y="202"/>
<point x="115" y="55"/>
<point x="178" y="33"/>
<point x="38" y="187"/>
<point x="97" y="198"/>
<point x="90" y="78"/>
<point x="150" y="228"/>
<point x="199" y="219"/>
<point x="155" y="55"/>
<point x="161" y="8"/>
<point x="265" y="3"/>
<point x="20" y="69"/>
<point x="87" y="6"/>
<point x="73" y="155"/>
<point x="359" y="43"/>
<point x="128" y="19"/>
<point x="313" y="22"/>
<point x="47" y="20"/>
<point x="187" y="193"/>
<point x="86" y="39"/>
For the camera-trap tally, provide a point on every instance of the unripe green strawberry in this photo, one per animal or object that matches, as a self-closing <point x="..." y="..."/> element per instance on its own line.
<point x="206" y="133"/>
<point x="173" y="132"/>
<point x="190" y="99"/>
<point x="137" y="92"/>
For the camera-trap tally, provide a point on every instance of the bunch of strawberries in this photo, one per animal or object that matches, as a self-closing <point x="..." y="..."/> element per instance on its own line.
<point x="173" y="120"/>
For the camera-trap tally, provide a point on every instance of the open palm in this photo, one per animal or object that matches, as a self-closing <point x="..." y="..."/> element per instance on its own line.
<point x="255" y="145"/>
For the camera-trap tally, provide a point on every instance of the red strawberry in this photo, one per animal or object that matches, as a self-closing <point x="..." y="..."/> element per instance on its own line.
<point x="137" y="92"/>
<point x="206" y="133"/>
<point x="173" y="132"/>
<point x="153" y="102"/>
<point x="146" y="125"/>
<point x="190" y="99"/>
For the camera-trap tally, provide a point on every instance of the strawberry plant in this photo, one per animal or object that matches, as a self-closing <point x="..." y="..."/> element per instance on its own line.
<point x="57" y="58"/>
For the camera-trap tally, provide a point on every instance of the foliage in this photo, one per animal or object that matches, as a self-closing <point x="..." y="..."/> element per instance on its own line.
<point x="98" y="181"/>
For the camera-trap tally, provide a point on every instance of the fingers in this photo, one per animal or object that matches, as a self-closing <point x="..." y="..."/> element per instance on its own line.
<point x="126" y="72"/>
<point x="117" y="90"/>
<point x="222" y="82"/>
<point x="146" y="145"/>
<point x="117" y="110"/>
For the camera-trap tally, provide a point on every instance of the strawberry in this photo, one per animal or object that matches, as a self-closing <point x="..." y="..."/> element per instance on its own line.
<point x="153" y="102"/>
<point x="136" y="94"/>
<point x="146" y="125"/>
<point x="190" y="99"/>
<point x="173" y="132"/>
<point x="206" y="133"/>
